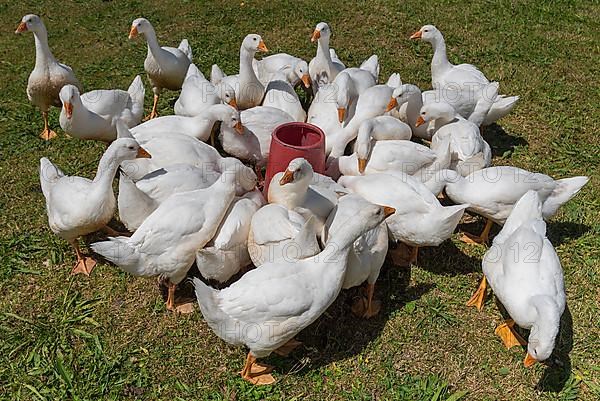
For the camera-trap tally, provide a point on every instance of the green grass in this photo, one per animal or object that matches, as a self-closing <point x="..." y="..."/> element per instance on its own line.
<point x="109" y="336"/>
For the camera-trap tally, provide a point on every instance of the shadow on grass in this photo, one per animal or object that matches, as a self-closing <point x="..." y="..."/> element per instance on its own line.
<point x="338" y="334"/>
<point x="560" y="232"/>
<point x="558" y="368"/>
<point x="501" y="141"/>
<point x="447" y="259"/>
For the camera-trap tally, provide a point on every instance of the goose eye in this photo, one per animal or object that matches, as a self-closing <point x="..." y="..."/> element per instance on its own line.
<point x="254" y="39"/>
<point x="130" y="147"/>
<point x="423" y="113"/>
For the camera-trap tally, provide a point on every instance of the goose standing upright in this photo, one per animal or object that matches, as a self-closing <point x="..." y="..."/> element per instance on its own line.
<point x="78" y="206"/>
<point x="166" y="242"/>
<point x="94" y="114"/>
<point x="48" y="75"/>
<point x="281" y="299"/>
<point x="464" y="77"/>
<point x="322" y="68"/>
<point x="249" y="91"/>
<point x="526" y="276"/>
<point x="166" y="66"/>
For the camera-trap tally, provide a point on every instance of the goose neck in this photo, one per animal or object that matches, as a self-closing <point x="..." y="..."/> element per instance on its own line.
<point x="43" y="54"/>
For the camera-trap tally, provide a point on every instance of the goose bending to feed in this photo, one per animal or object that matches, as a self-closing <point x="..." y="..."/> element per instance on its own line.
<point x="294" y="68"/>
<point x="525" y="273"/>
<point x="366" y="255"/>
<point x="322" y="68"/>
<point x="419" y="220"/>
<point x="469" y="151"/>
<point x="77" y="206"/>
<point x="249" y="91"/>
<point x="199" y="126"/>
<point x="198" y="93"/>
<point x="94" y="114"/>
<point x="166" y="66"/>
<point x="227" y="251"/>
<point x="48" y="75"/>
<point x="466" y="77"/>
<point x="165" y="244"/>
<point x="280" y="94"/>
<point x="280" y="299"/>
<point x="492" y="193"/>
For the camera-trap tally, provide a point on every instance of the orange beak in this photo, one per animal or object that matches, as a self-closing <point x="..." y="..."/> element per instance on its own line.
<point x="142" y="154"/>
<point x="416" y="35"/>
<point x="133" y="32"/>
<point x="529" y="361"/>
<point x="315" y="36"/>
<point x="287" y="177"/>
<point x="362" y="165"/>
<point x="420" y="121"/>
<point x="388" y="211"/>
<point x="392" y="104"/>
<point x="341" y="114"/>
<point x="262" y="47"/>
<point x="68" y="109"/>
<point x="233" y="103"/>
<point x="306" y="80"/>
<point x="239" y="128"/>
<point x="21" y="28"/>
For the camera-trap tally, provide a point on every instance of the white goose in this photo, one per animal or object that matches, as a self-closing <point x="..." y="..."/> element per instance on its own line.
<point x="249" y="91"/>
<point x="165" y="244"/>
<point x="526" y="276"/>
<point x="322" y="68"/>
<point x="419" y="220"/>
<point x="294" y="68"/>
<point x="77" y="206"/>
<point x="94" y="114"/>
<point x="492" y="192"/>
<point x="166" y="66"/>
<point x="199" y="126"/>
<point x="322" y="112"/>
<point x="227" y="251"/>
<point x="198" y="93"/>
<point x="280" y="94"/>
<point x="253" y="144"/>
<point x="469" y="151"/>
<point x="465" y="77"/>
<point x="48" y="75"/>
<point x="281" y="299"/>
<point x="366" y="256"/>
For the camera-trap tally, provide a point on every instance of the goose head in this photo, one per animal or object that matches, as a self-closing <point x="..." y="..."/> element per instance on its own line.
<point x="231" y="117"/>
<point x="301" y="71"/>
<point x="363" y="144"/>
<point x="254" y="43"/>
<point x="30" y="23"/>
<point x="69" y="96"/>
<point x="227" y="94"/>
<point x="544" y="330"/>
<point x="322" y="32"/>
<point x="140" y="25"/>
<point x="436" y="111"/>
<point x="245" y="176"/>
<point x="427" y="33"/>
<point x="299" y="171"/>
<point x="345" y="88"/>
<point x="126" y="149"/>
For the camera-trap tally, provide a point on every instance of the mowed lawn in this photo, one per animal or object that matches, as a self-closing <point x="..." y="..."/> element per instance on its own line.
<point x="109" y="336"/>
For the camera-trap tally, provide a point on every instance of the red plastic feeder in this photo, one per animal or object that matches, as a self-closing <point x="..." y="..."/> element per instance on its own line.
<point x="292" y="140"/>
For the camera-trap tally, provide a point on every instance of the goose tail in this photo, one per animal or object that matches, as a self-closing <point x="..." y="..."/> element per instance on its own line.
<point x="214" y="316"/>
<point x="118" y="251"/>
<point x="565" y="189"/>
<point x="371" y="65"/>
<point x="501" y="107"/>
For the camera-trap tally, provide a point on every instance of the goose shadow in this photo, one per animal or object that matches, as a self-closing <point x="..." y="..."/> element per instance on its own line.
<point x="501" y="141"/>
<point x="448" y="260"/>
<point x="560" y="232"/>
<point x="338" y="334"/>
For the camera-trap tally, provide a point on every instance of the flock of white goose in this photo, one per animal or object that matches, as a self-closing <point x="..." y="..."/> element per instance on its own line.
<point x="314" y="234"/>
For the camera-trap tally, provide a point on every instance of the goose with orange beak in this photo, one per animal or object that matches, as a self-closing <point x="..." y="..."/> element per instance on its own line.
<point x="48" y="75"/>
<point x="166" y="67"/>
<point x="322" y="68"/>
<point x="528" y="283"/>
